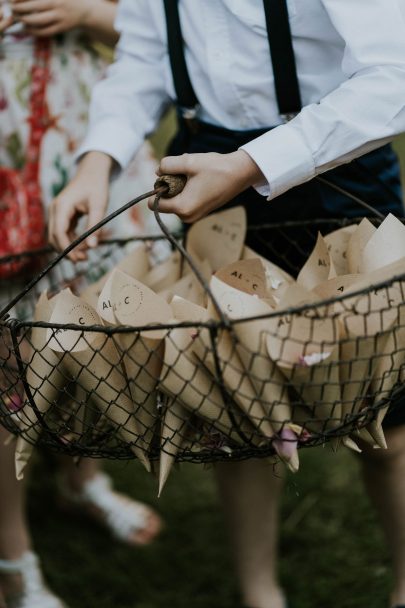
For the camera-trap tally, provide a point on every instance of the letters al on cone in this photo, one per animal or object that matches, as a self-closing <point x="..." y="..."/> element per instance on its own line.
<point x="125" y="301"/>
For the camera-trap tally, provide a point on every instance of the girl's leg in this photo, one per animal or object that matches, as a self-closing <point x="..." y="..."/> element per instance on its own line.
<point x="250" y="493"/>
<point x="384" y="475"/>
<point x="14" y="536"/>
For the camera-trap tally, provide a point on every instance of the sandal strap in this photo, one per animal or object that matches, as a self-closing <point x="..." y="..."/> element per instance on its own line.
<point x="122" y="516"/>
<point x="27" y="561"/>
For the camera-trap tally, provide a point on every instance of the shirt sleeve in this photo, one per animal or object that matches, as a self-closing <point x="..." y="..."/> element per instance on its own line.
<point x="126" y="105"/>
<point x="363" y="113"/>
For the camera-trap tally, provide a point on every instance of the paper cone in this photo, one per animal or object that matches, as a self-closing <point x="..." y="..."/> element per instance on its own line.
<point x="136" y="264"/>
<point x="356" y="244"/>
<point x="128" y="302"/>
<point x="247" y="276"/>
<point x="370" y="322"/>
<point x="184" y="378"/>
<point x="46" y="380"/>
<point x="267" y="380"/>
<point x="305" y="348"/>
<point x="234" y="376"/>
<point x="337" y="243"/>
<point x="189" y="288"/>
<point x="318" y="268"/>
<point x="173" y="432"/>
<point x="164" y="275"/>
<point x="386" y="245"/>
<point x="93" y="361"/>
<point x="218" y="238"/>
<point x="277" y="279"/>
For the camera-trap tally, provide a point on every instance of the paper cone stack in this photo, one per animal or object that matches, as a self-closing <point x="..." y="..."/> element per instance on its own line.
<point x="184" y="378"/>
<point x="267" y="380"/>
<point x="45" y="379"/>
<point x="305" y="348"/>
<point x="125" y="301"/>
<point x="92" y="360"/>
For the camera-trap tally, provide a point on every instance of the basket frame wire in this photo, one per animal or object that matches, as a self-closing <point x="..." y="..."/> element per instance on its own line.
<point x="213" y="326"/>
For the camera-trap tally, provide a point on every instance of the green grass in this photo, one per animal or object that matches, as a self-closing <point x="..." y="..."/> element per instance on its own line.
<point x="332" y="553"/>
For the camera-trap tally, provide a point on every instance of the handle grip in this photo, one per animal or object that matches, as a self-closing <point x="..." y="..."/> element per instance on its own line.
<point x="174" y="183"/>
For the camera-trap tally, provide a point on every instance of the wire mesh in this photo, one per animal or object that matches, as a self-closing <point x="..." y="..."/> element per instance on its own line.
<point x="201" y="391"/>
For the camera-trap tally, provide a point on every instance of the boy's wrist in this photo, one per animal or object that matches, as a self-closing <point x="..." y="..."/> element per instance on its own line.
<point x="246" y="170"/>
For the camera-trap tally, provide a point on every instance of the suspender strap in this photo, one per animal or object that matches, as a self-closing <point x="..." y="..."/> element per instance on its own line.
<point x="281" y="50"/>
<point x="186" y="97"/>
<point x="282" y="57"/>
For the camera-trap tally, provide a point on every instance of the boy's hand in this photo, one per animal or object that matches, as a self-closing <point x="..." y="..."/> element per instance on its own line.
<point x="212" y="180"/>
<point x="50" y="17"/>
<point x="87" y="194"/>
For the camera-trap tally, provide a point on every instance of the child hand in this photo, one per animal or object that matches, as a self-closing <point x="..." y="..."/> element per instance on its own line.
<point x="212" y="180"/>
<point x="49" y="17"/>
<point x="5" y="20"/>
<point x="86" y="194"/>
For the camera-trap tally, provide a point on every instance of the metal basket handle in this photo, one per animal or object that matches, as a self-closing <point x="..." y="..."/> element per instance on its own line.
<point x="166" y="185"/>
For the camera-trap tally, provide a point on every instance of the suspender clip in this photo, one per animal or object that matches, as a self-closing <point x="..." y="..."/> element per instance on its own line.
<point x="189" y="115"/>
<point x="289" y="116"/>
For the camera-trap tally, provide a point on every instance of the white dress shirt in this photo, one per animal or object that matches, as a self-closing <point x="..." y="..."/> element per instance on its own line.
<point x="351" y="66"/>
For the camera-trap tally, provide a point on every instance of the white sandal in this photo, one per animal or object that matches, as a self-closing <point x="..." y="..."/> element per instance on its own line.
<point x="123" y="516"/>
<point x="34" y="592"/>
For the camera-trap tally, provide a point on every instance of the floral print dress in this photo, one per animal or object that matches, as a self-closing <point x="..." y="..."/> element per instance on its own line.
<point x="75" y="68"/>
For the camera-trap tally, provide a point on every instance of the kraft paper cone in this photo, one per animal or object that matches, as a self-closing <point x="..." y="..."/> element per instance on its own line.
<point x="357" y="343"/>
<point x="173" y="432"/>
<point x="318" y="268"/>
<point x="356" y="244"/>
<point x="267" y="380"/>
<point x="136" y="264"/>
<point x="164" y="275"/>
<point x="386" y="245"/>
<point x="128" y="302"/>
<point x="337" y="243"/>
<point x="93" y="361"/>
<point x="277" y="280"/>
<point x="234" y="376"/>
<point x="372" y="320"/>
<point x="189" y="288"/>
<point x="218" y="238"/>
<point x="46" y="380"/>
<point x="184" y="378"/>
<point x="305" y="348"/>
<point x="248" y="276"/>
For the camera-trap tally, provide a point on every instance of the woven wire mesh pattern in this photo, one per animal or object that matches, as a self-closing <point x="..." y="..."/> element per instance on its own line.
<point x="120" y="393"/>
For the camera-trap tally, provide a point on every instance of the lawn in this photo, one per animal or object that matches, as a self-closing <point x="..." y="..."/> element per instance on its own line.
<point x="332" y="552"/>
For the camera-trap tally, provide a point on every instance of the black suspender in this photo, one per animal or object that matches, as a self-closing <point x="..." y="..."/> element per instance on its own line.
<point x="186" y="97"/>
<point x="282" y="57"/>
<point x="281" y="51"/>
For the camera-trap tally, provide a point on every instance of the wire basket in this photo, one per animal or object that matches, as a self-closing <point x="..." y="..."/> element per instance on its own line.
<point x="201" y="392"/>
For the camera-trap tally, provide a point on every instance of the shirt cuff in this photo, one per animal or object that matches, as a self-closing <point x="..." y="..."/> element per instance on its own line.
<point x="112" y="138"/>
<point x="283" y="157"/>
